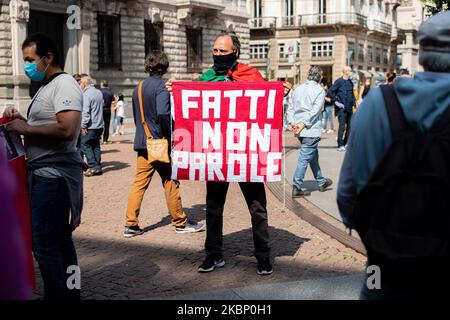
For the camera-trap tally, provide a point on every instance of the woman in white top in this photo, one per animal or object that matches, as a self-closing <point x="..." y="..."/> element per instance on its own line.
<point x="120" y="114"/>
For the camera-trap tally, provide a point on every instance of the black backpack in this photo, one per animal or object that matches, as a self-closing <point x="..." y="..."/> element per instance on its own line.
<point x="404" y="210"/>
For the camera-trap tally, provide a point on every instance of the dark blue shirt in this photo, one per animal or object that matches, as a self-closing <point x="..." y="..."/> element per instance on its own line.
<point x="108" y="97"/>
<point x="342" y="91"/>
<point x="156" y="100"/>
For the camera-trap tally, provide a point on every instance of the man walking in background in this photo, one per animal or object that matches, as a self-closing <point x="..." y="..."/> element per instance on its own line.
<point x="155" y="113"/>
<point x="305" y="118"/>
<point x="341" y="94"/>
<point x="91" y="126"/>
<point x="108" y="98"/>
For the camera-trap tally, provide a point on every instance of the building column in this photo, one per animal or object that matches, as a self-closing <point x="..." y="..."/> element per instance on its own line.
<point x="19" y="15"/>
<point x="393" y="9"/>
<point x="84" y="42"/>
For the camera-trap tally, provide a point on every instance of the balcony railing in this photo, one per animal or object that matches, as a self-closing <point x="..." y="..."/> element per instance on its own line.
<point x="332" y="18"/>
<point x="289" y="21"/>
<point x="379" y="26"/>
<point x="263" y="23"/>
<point x="321" y="19"/>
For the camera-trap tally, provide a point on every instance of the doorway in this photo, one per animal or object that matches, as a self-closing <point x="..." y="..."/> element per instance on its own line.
<point x="53" y="25"/>
<point x="327" y="74"/>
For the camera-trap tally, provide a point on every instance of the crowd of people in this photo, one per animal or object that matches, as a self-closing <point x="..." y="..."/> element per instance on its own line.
<point x="395" y="137"/>
<point x="65" y="123"/>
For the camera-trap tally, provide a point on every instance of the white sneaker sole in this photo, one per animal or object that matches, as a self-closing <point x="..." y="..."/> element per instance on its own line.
<point x="264" y="272"/>
<point x="217" y="265"/>
<point x="189" y="230"/>
<point x="132" y="235"/>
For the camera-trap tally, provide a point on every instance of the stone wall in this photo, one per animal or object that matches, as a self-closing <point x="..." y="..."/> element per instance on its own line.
<point x="6" y="83"/>
<point x="132" y="15"/>
<point x="174" y="43"/>
<point x="5" y="40"/>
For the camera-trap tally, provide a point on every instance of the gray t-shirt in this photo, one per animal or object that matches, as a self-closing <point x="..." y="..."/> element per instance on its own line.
<point x="62" y="94"/>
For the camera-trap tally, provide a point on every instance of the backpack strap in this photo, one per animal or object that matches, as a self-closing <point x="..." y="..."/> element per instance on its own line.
<point x="443" y="124"/>
<point x="395" y="114"/>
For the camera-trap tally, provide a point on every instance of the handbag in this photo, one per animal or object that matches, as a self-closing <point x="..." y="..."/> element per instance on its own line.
<point x="157" y="149"/>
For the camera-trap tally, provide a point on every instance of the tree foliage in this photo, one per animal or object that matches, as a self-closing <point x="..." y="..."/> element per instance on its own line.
<point x="436" y="6"/>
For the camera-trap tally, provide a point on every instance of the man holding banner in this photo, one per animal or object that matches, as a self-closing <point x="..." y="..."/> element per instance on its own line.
<point x="218" y="158"/>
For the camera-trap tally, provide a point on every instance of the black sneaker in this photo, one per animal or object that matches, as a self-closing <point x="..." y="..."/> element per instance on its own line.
<point x="211" y="262"/>
<point x="297" y="193"/>
<point x="132" y="232"/>
<point x="327" y="183"/>
<point x="264" y="267"/>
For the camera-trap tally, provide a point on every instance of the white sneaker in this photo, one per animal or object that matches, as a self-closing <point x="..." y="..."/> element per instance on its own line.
<point x="190" y="227"/>
<point x="341" y="149"/>
<point x="330" y="131"/>
<point x="324" y="131"/>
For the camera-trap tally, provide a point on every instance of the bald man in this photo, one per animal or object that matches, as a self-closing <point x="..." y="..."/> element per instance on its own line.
<point x="341" y="94"/>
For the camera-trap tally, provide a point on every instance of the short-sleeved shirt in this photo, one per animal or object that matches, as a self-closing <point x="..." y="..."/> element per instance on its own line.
<point x="61" y="94"/>
<point x="108" y="97"/>
<point x="121" y="109"/>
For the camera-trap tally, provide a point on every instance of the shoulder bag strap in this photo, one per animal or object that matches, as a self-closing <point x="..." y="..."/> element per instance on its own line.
<point x="141" y="107"/>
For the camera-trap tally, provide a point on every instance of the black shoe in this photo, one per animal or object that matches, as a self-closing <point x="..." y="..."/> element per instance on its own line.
<point x="296" y="192"/>
<point x="264" y="267"/>
<point x="132" y="232"/>
<point x="327" y="183"/>
<point x="211" y="262"/>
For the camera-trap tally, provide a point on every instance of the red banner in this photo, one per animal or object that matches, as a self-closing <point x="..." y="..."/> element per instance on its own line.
<point x="227" y="131"/>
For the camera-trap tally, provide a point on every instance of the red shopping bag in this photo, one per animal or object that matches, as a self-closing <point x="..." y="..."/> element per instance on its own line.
<point x="22" y="206"/>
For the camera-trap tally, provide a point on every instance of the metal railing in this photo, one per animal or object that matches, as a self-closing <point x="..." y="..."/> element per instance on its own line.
<point x="379" y="26"/>
<point x="332" y="18"/>
<point x="321" y="19"/>
<point x="263" y="22"/>
<point x="289" y="21"/>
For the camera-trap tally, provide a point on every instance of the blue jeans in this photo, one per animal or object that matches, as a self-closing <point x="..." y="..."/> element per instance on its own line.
<point x="328" y="115"/>
<point x="114" y="121"/>
<point x="90" y="147"/>
<point x="53" y="247"/>
<point x="308" y="155"/>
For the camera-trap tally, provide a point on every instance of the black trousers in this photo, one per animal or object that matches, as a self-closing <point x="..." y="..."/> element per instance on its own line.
<point x="344" y="118"/>
<point x="107" y="120"/>
<point x="255" y="196"/>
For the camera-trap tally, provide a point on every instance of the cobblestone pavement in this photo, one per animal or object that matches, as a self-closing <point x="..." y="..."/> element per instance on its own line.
<point x="161" y="263"/>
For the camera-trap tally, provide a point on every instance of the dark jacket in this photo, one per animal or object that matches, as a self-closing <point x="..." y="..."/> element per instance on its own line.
<point x="342" y="91"/>
<point x="156" y="100"/>
<point x="108" y="97"/>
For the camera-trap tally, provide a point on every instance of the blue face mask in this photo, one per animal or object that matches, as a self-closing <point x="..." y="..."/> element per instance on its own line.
<point x="32" y="72"/>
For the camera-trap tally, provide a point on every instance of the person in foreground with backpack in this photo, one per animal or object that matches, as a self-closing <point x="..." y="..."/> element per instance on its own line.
<point x="394" y="187"/>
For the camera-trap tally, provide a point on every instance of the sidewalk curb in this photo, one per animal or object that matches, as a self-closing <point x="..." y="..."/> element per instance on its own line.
<point x="330" y="288"/>
<point x="340" y="235"/>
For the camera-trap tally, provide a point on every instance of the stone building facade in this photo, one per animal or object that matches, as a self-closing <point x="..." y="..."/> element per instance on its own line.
<point x="109" y="39"/>
<point x="288" y="36"/>
<point x="411" y="14"/>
